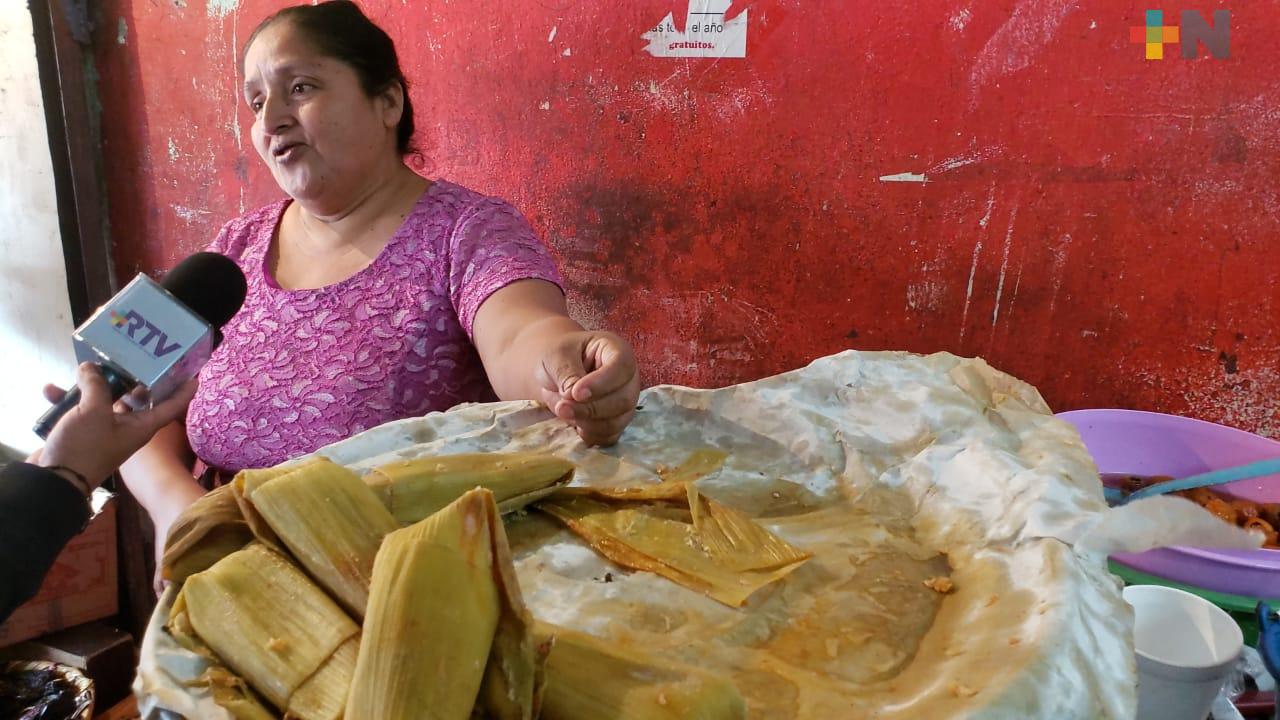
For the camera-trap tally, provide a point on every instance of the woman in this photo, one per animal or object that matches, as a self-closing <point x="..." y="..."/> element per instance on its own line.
<point x="373" y="294"/>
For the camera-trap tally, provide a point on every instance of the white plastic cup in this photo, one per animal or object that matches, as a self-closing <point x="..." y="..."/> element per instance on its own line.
<point x="1186" y="646"/>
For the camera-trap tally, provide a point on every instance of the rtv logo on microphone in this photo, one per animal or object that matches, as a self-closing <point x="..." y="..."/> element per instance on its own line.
<point x="131" y="323"/>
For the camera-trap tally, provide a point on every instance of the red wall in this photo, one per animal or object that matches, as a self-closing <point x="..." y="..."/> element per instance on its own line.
<point x="1100" y="225"/>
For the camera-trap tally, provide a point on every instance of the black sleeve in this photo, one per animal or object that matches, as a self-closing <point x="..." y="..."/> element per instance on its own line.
<point x="39" y="513"/>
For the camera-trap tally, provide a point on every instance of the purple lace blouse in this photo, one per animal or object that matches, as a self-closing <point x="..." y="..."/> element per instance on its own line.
<point x="299" y="369"/>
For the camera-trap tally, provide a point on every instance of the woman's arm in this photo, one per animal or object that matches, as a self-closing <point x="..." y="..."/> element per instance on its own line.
<point x="533" y="350"/>
<point x="159" y="476"/>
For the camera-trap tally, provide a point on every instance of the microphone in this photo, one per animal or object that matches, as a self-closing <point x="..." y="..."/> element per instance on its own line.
<point x="157" y="335"/>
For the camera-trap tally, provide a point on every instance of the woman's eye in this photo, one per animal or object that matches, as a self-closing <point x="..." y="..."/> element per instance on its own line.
<point x="255" y="105"/>
<point x="299" y="88"/>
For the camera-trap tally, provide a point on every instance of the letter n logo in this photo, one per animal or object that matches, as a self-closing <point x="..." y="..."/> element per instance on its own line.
<point x="1195" y="29"/>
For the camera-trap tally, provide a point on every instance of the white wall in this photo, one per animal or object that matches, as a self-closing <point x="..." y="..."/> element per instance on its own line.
<point x="35" y="312"/>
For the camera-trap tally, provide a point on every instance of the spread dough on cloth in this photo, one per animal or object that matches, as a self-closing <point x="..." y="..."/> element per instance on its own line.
<point x="940" y="498"/>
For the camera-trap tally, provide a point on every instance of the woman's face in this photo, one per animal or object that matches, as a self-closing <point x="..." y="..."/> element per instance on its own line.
<point x="322" y="137"/>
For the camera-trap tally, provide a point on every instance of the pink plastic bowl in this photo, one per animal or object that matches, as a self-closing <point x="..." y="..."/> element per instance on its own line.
<point x="1146" y="443"/>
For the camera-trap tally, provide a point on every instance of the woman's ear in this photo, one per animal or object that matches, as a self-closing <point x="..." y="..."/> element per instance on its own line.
<point x="392" y="104"/>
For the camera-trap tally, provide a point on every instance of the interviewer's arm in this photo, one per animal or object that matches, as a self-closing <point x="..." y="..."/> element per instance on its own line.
<point x="39" y="512"/>
<point x="44" y="503"/>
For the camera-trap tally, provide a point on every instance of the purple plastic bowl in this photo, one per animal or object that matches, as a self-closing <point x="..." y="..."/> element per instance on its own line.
<point x="1146" y="443"/>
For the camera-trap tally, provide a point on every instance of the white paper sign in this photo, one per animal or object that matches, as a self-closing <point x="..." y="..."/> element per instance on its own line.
<point x="706" y="33"/>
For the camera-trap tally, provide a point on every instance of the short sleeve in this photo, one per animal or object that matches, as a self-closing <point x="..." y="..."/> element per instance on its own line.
<point x="247" y="233"/>
<point x="491" y="247"/>
<point x="232" y="240"/>
<point x="221" y="241"/>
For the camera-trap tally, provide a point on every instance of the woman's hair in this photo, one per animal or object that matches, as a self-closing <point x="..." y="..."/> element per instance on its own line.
<point x="338" y="29"/>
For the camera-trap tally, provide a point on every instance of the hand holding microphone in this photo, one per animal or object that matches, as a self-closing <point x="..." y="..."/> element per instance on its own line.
<point x="93" y="438"/>
<point x="157" y="336"/>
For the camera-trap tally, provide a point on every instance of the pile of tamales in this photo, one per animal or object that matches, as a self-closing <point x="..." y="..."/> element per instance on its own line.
<point x="315" y="593"/>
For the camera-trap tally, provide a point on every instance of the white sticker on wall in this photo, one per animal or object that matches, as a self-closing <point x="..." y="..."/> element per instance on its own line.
<point x="706" y="33"/>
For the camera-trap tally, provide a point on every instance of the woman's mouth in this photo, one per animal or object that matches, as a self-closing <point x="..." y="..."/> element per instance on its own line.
<point x="284" y="152"/>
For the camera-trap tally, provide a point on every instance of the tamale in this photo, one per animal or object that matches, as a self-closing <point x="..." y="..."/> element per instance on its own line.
<point x="588" y="680"/>
<point x="414" y="489"/>
<point x="269" y="623"/>
<point x="714" y="550"/>
<point x="208" y="530"/>
<point x="228" y="689"/>
<point x="433" y="612"/>
<point x="245" y="482"/>
<point x="179" y="626"/>
<point x="331" y="522"/>
<point x="323" y="696"/>
<point x="514" y="678"/>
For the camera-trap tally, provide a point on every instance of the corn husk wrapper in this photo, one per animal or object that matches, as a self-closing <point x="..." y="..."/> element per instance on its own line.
<point x="671" y="487"/>
<point x="209" y="529"/>
<point x="227" y="689"/>
<point x="666" y="492"/>
<point x="271" y="625"/>
<point x="324" y="694"/>
<point x="179" y="626"/>
<point x="232" y="693"/>
<point x="446" y="629"/>
<point x="704" y="546"/>
<point x="514" y="676"/>
<point x="587" y="679"/>
<point x="415" y="489"/>
<point x="243" y="483"/>
<point x="331" y="522"/>
<point x="699" y="464"/>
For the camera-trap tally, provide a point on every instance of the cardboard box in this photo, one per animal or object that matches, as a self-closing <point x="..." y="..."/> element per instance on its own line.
<point x="81" y="585"/>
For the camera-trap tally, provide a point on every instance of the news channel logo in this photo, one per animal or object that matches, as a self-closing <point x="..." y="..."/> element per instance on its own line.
<point x="1193" y="30"/>
<point x="153" y="339"/>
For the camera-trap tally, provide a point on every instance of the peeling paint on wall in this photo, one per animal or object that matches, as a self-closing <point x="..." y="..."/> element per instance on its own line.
<point x="968" y="292"/>
<point x="924" y="295"/>
<point x="904" y="177"/>
<point x="1018" y="41"/>
<point x="944" y="166"/>
<point x="189" y="214"/>
<point x="221" y="8"/>
<point x="1004" y="266"/>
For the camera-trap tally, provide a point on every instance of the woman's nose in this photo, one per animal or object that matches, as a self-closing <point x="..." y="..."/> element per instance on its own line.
<point x="277" y="116"/>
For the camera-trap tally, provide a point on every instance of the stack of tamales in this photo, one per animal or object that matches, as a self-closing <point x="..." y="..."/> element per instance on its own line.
<point x="315" y="593"/>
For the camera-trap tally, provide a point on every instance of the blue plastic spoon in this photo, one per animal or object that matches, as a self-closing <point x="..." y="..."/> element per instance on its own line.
<point x="1271" y="466"/>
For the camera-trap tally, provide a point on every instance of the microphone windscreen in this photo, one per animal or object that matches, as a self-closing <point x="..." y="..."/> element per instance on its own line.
<point x="211" y="285"/>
